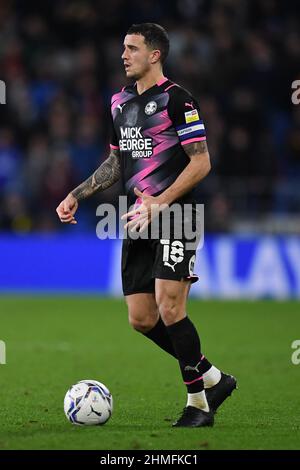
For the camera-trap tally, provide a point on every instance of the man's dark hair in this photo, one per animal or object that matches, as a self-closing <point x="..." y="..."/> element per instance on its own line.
<point x="155" y="37"/>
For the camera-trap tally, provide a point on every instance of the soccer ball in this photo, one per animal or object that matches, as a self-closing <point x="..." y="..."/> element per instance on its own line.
<point x="88" y="403"/>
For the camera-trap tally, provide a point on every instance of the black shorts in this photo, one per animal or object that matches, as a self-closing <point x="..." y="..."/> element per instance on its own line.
<point x="145" y="260"/>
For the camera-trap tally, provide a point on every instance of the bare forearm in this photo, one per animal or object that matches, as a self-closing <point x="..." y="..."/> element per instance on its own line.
<point x="105" y="176"/>
<point x="193" y="173"/>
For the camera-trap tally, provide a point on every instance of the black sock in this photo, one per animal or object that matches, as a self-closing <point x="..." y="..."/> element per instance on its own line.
<point x="186" y="342"/>
<point x="159" y="335"/>
<point x="205" y="364"/>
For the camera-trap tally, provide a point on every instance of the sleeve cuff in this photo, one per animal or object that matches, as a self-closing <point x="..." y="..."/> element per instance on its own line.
<point x="195" y="139"/>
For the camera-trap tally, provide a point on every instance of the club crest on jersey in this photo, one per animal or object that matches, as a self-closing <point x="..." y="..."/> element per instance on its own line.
<point x="150" y="108"/>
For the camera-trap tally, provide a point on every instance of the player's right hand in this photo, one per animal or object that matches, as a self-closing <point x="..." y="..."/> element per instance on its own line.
<point x="67" y="209"/>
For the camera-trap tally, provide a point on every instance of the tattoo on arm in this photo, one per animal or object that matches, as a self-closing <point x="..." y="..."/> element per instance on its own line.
<point x="195" y="148"/>
<point x="105" y="176"/>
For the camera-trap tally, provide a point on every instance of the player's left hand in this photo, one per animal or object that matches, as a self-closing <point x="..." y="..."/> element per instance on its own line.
<point x="144" y="214"/>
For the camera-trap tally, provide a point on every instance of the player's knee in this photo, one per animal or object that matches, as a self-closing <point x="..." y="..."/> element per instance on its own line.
<point x="169" y="311"/>
<point x="143" y="325"/>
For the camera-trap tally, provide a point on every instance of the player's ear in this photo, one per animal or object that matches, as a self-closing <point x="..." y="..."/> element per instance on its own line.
<point x="155" y="56"/>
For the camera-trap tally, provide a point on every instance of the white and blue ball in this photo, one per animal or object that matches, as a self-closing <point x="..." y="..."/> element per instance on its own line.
<point x="88" y="403"/>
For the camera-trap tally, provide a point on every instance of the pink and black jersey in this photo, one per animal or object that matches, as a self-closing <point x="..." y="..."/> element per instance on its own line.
<point x="150" y="130"/>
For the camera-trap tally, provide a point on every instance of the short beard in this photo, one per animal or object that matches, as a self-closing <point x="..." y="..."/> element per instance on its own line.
<point x="138" y="76"/>
<point x="135" y="77"/>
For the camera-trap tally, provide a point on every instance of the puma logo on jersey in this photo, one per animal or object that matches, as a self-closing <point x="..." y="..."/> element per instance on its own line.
<point x="120" y="107"/>
<point x="189" y="104"/>
<point x="193" y="368"/>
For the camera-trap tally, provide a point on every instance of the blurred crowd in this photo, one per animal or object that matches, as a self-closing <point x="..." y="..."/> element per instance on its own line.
<point x="61" y="62"/>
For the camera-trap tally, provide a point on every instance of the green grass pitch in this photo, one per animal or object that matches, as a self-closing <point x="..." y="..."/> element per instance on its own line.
<point x="52" y="343"/>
